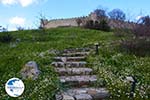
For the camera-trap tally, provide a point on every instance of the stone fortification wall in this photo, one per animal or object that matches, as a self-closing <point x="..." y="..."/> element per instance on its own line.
<point x="72" y="22"/>
<point x="61" y="22"/>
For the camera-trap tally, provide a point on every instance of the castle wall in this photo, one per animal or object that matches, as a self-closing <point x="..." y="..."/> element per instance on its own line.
<point x="61" y="22"/>
<point x="72" y="22"/>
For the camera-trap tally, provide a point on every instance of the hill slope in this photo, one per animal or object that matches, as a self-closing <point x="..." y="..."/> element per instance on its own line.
<point x="111" y="65"/>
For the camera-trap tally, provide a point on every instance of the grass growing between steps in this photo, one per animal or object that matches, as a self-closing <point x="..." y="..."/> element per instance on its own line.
<point x="33" y="45"/>
<point x="111" y="65"/>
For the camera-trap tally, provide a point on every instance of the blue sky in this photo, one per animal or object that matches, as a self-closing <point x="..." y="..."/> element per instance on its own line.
<point x="25" y="13"/>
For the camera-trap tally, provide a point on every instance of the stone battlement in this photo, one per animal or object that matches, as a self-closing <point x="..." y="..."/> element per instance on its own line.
<point x="72" y="22"/>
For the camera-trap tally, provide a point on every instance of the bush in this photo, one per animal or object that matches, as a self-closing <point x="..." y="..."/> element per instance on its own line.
<point x="138" y="46"/>
<point x="6" y="37"/>
<point x="139" y="42"/>
<point x="104" y="26"/>
<point x="142" y="31"/>
<point x="89" y="24"/>
<point x="98" y="25"/>
<point x="120" y="32"/>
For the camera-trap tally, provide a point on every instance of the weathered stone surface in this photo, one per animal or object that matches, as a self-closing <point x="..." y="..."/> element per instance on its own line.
<point x="71" y="67"/>
<point x="69" y="58"/>
<point x="98" y="94"/>
<point x="67" y="97"/>
<point x="58" y="96"/>
<point x="53" y="51"/>
<point x="69" y="64"/>
<point x="76" y="91"/>
<point x="74" y="71"/>
<point x="30" y="70"/>
<point x="78" y="79"/>
<point x="83" y="97"/>
<point x="75" y="54"/>
<point x="95" y="93"/>
<point x="72" y="50"/>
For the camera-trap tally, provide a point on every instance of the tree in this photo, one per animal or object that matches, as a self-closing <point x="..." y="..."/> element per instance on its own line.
<point x="145" y="20"/>
<point x="3" y="29"/>
<point x="98" y="25"/>
<point x="89" y="24"/>
<point x="19" y="28"/>
<point x="79" y="21"/>
<point x="100" y="12"/>
<point x="104" y="26"/>
<point x="117" y="14"/>
<point x="143" y="28"/>
<point x="43" y="21"/>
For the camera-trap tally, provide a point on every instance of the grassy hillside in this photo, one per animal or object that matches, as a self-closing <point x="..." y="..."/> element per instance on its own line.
<point x="111" y="65"/>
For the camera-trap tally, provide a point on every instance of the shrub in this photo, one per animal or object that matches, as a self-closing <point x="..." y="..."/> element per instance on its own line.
<point x="89" y="24"/>
<point x="139" y="43"/>
<point x="120" y="32"/>
<point x="104" y="26"/>
<point x="6" y="37"/>
<point x="143" y="29"/>
<point x="98" y="25"/>
<point x="138" y="46"/>
<point x="144" y="20"/>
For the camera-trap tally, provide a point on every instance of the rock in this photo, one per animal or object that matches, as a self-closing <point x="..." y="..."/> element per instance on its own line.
<point x="91" y="92"/>
<point x="98" y="94"/>
<point x="67" y="97"/>
<point x="58" y="97"/>
<point x="18" y="40"/>
<point x="30" y="70"/>
<point x="83" y="97"/>
<point x="54" y="52"/>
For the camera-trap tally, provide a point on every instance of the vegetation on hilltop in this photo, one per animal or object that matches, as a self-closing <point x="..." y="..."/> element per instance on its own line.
<point x="111" y="65"/>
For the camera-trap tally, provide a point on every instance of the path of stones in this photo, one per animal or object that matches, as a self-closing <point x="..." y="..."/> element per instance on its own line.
<point x="72" y="70"/>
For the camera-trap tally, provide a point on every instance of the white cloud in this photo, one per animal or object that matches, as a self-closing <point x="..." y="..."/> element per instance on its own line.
<point x="8" y="2"/>
<point x="138" y="17"/>
<point x="23" y="3"/>
<point x="19" y="21"/>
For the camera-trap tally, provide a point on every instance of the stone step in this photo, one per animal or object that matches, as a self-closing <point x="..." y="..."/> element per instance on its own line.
<point x="78" y="80"/>
<point x="83" y="94"/>
<point x="70" y="58"/>
<point x="73" y="54"/>
<point x="70" y="64"/>
<point x="71" y="50"/>
<point x="74" y="71"/>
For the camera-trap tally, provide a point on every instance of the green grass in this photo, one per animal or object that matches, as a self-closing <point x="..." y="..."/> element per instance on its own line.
<point x="111" y="65"/>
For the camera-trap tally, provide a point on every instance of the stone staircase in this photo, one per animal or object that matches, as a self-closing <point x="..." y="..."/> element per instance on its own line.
<point x="72" y="70"/>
